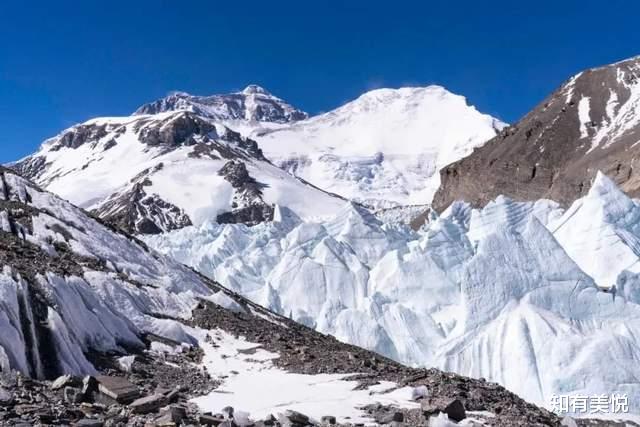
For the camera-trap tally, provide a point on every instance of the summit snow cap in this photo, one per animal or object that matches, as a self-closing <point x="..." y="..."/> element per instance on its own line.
<point x="254" y="89"/>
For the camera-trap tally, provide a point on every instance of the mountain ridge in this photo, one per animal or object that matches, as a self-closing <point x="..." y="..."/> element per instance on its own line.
<point x="590" y="123"/>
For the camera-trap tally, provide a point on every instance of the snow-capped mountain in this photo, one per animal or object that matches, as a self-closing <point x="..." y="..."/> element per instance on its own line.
<point x="155" y="173"/>
<point x="185" y="159"/>
<point x="519" y="293"/>
<point x="591" y="123"/>
<point x="78" y="297"/>
<point x="253" y="104"/>
<point x="384" y="148"/>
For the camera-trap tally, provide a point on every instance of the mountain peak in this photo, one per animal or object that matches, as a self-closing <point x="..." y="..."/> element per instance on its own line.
<point x="244" y="105"/>
<point x="255" y="89"/>
<point x="592" y="119"/>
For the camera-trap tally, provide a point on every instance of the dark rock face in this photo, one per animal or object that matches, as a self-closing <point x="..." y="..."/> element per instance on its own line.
<point x="30" y="167"/>
<point x="136" y="212"/>
<point x="248" y="207"/>
<point x="183" y="128"/>
<point x="590" y="123"/>
<point x="178" y="130"/>
<point x="78" y="135"/>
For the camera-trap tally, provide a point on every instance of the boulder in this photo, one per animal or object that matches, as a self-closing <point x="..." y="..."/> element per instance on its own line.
<point x="89" y="386"/>
<point x="148" y="404"/>
<point x="117" y="388"/>
<point x="6" y="398"/>
<point x="455" y="410"/>
<point x="452" y="407"/>
<point x="63" y="381"/>
<point x="172" y="395"/>
<point x="419" y="392"/>
<point x="211" y="420"/>
<point x="164" y="421"/>
<point x="390" y="417"/>
<point x="269" y="420"/>
<point x="296" y="417"/>
<point x="176" y="413"/>
<point x="328" y="420"/>
<point x="228" y="412"/>
<point x="72" y="395"/>
<point x="89" y="422"/>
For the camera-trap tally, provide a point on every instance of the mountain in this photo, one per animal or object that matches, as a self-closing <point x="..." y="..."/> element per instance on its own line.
<point x="184" y="159"/>
<point x="155" y="173"/>
<point x="79" y="297"/>
<point x="521" y="293"/>
<point x="384" y="148"/>
<point x="253" y="104"/>
<point x="591" y="123"/>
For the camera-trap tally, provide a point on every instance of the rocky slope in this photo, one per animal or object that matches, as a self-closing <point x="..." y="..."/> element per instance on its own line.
<point x="591" y="123"/>
<point x="148" y="334"/>
<point x="156" y="173"/>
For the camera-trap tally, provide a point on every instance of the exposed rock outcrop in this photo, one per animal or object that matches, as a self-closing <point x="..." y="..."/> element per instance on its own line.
<point x="254" y="103"/>
<point x="591" y="123"/>
<point x="137" y="212"/>
<point x="248" y="207"/>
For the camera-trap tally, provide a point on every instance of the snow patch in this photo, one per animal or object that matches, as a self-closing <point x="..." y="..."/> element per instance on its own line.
<point x="253" y="384"/>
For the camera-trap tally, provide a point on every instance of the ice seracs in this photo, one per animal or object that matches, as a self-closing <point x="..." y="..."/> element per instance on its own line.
<point x="601" y="232"/>
<point x="511" y="292"/>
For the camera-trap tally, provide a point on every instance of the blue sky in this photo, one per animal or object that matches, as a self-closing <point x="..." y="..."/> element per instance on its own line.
<point x="66" y="61"/>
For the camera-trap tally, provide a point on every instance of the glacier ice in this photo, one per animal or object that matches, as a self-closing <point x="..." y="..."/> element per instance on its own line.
<point x="93" y="289"/>
<point x="516" y="292"/>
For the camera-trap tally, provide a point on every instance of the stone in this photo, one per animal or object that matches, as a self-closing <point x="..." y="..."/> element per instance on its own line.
<point x="172" y="394"/>
<point x="44" y="416"/>
<point x="211" y="420"/>
<point x="89" y="386"/>
<point x="419" y="392"/>
<point x="397" y="417"/>
<point x="62" y="381"/>
<point x="227" y="412"/>
<point x="72" y="395"/>
<point x="455" y="410"/>
<point x="148" y="404"/>
<point x="176" y="413"/>
<point x="26" y="409"/>
<point x="568" y="422"/>
<point x="296" y="417"/>
<point x="329" y="420"/>
<point x="452" y="407"/>
<point x="164" y="421"/>
<point x="6" y="398"/>
<point x="117" y="388"/>
<point x="89" y="422"/>
<point x="390" y="417"/>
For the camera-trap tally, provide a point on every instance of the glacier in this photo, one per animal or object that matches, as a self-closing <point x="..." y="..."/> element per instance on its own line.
<point x="540" y="299"/>
<point x="384" y="148"/>
<point x="71" y="286"/>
